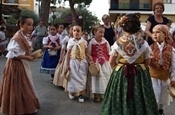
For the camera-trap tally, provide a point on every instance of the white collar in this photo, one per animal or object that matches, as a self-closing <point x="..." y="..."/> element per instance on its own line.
<point x="160" y="45"/>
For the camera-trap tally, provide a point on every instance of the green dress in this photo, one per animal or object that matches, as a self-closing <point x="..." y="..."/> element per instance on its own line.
<point x="129" y="98"/>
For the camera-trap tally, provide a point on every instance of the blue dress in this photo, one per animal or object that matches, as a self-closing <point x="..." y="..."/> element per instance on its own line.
<point x="49" y="62"/>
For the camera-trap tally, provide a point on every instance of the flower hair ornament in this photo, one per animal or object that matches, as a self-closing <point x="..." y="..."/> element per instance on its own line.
<point x="128" y="17"/>
<point x="122" y="20"/>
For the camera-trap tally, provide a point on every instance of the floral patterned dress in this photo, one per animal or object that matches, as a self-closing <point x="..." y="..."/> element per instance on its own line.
<point x="130" y="91"/>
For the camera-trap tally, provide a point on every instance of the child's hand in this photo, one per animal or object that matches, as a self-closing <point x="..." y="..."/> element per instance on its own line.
<point x="91" y="62"/>
<point x="60" y="61"/>
<point x="50" y="47"/>
<point x="29" y="58"/>
<point x="67" y="68"/>
<point x="57" y="48"/>
<point x="172" y="83"/>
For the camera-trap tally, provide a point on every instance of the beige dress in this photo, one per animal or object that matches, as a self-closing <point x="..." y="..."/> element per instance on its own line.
<point x="17" y="94"/>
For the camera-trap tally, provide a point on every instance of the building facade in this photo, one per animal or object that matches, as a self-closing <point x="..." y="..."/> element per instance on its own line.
<point x="120" y="7"/>
<point x="13" y="6"/>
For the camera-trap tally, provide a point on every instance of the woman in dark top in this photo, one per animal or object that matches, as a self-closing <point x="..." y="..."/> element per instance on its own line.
<point x="155" y="19"/>
<point x="109" y="31"/>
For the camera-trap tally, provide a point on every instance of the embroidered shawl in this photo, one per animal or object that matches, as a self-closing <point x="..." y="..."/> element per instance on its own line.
<point x="130" y="47"/>
<point x="21" y="40"/>
<point x="166" y="56"/>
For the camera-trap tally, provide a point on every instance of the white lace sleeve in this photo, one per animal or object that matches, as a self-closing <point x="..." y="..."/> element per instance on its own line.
<point x="113" y="51"/>
<point x="14" y="49"/>
<point x="45" y="40"/>
<point x="148" y="53"/>
<point x="70" y="44"/>
<point x="64" y="42"/>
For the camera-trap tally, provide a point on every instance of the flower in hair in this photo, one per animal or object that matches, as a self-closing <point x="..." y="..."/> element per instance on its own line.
<point x="122" y="21"/>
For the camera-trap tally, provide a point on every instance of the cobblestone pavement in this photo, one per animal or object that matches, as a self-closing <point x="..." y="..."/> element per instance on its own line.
<point x="54" y="101"/>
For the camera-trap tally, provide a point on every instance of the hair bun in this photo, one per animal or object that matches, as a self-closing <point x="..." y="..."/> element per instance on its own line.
<point x="137" y="15"/>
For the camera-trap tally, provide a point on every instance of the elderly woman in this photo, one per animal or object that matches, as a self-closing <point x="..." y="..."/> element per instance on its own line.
<point x="109" y="34"/>
<point x="157" y="18"/>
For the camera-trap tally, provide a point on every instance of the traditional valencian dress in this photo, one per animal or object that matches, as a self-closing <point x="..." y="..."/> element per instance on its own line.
<point x="130" y="91"/>
<point x="17" y="95"/>
<point x="78" y="66"/>
<point x="51" y="57"/>
<point x="59" y="75"/>
<point x="100" y="54"/>
<point x="162" y="69"/>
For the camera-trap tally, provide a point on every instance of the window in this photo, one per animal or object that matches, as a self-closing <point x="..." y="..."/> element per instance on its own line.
<point x="167" y="1"/>
<point x="131" y="4"/>
<point x="10" y="1"/>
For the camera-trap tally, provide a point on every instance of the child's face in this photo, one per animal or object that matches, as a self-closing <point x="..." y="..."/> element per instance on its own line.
<point x="53" y="30"/>
<point x="60" y="28"/>
<point x="77" y="32"/>
<point x="27" y="27"/>
<point x="71" y="31"/>
<point x="158" y="35"/>
<point x="99" y="34"/>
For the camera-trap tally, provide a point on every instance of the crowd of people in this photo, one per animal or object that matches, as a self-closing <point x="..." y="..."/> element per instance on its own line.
<point x="133" y="71"/>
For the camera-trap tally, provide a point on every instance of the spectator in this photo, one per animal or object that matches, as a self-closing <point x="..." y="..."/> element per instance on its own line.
<point x="41" y="32"/>
<point x="3" y="40"/>
<point x="157" y="18"/>
<point x="109" y="34"/>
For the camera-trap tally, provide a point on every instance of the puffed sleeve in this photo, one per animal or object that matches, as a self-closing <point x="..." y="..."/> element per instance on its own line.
<point x="45" y="40"/>
<point x="173" y="65"/>
<point x="64" y="42"/>
<point x="148" y="53"/>
<point x="70" y="44"/>
<point x="113" y="51"/>
<point x="14" y="49"/>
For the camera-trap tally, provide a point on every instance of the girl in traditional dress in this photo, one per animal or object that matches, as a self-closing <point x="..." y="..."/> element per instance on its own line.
<point x="60" y="69"/>
<point x="99" y="49"/>
<point x="17" y="95"/>
<point x="130" y="91"/>
<point x="162" y="66"/>
<point x="77" y="63"/>
<point x="52" y="46"/>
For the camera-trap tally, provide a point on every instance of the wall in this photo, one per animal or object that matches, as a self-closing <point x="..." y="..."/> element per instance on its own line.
<point x="28" y="4"/>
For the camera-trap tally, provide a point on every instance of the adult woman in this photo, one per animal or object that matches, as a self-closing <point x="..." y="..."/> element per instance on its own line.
<point x="157" y="18"/>
<point x="109" y="31"/>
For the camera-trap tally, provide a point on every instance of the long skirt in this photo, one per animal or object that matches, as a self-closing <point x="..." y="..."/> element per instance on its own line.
<point x="99" y="83"/>
<point x="59" y="73"/>
<point x="17" y="94"/>
<point x="161" y="91"/>
<point x="116" y="101"/>
<point x="78" y="76"/>
<point x="49" y="63"/>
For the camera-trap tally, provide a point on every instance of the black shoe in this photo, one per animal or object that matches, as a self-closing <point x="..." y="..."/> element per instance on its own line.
<point x="51" y="81"/>
<point x="161" y="112"/>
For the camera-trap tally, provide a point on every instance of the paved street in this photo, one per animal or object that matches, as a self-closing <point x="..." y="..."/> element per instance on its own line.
<point x="54" y="101"/>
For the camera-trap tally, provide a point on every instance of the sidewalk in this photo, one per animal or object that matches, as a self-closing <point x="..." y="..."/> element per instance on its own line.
<point x="54" y="101"/>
